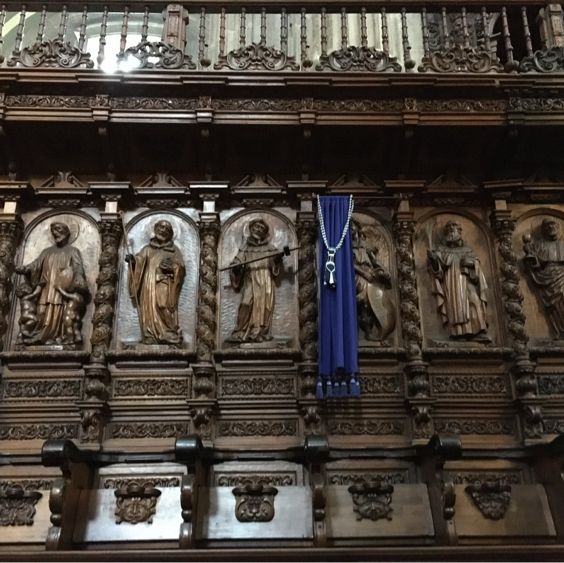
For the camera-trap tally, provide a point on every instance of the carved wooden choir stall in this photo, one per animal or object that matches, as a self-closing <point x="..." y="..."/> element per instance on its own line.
<point x="281" y="281"/>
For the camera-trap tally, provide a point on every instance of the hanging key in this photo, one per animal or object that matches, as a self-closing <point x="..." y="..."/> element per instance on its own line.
<point x="329" y="280"/>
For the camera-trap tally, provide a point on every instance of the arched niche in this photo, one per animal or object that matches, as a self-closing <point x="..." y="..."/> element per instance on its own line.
<point x="378" y="259"/>
<point x="428" y="236"/>
<point x="85" y="237"/>
<point x="285" y="324"/>
<point x="528" y="228"/>
<point x="139" y="232"/>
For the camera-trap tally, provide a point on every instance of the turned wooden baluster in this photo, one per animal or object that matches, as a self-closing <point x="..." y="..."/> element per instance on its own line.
<point x="82" y="31"/>
<point x="103" y="31"/>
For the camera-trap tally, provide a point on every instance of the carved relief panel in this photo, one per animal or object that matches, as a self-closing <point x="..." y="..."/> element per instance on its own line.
<point x="456" y="282"/>
<point x="258" y="294"/>
<point x="376" y="289"/>
<point x="158" y="283"/>
<point x="539" y="244"/>
<point x="56" y="281"/>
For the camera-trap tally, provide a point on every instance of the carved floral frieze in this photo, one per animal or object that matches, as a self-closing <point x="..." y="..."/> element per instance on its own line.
<point x="257" y="428"/>
<point x="241" y="479"/>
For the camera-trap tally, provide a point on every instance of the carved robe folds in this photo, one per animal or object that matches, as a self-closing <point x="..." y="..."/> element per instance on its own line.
<point x="459" y="285"/>
<point x="155" y="281"/>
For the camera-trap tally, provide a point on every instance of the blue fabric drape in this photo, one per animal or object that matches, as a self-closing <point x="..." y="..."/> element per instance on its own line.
<point x="338" y="328"/>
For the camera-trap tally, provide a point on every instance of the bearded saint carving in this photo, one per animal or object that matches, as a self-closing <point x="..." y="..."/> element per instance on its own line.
<point x="459" y="286"/>
<point x="53" y="297"/>
<point x="155" y="279"/>
<point x="544" y="261"/>
<point x="255" y="282"/>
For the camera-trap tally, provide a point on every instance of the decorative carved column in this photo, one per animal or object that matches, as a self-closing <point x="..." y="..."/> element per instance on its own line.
<point x="94" y="410"/>
<point x="523" y="369"/>
<point x="203" y="389"/>
<point x="418" y="385"/>
<point x="11" y="229"/>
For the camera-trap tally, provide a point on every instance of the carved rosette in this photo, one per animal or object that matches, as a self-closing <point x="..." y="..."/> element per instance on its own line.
<point x="372" y="500"/>
<point x="54" y="54"/>
<point x="136" y="504"/>
<point x="360" y="59"/>
<point x="254" y="502"/>
<point x="545" y="61"/>
<point x="17" y="506"/>
<point x="307" y="299"/>
<point x="461" y="59"/>
<point x="10" y="232"/>
<point x="156" y="54"/>
<point x="492" y="498"/>
<point x="256" y="56"/>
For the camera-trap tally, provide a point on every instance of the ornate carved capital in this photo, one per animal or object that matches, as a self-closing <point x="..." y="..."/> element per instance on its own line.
<point x="491" y="498"/>
<point x="372" y="499"/>
<point x="254" y="502"/>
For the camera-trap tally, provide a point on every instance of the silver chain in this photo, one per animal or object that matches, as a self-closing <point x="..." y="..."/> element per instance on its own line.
<point x="329" y="248"/>
<point x="330" y="265"/>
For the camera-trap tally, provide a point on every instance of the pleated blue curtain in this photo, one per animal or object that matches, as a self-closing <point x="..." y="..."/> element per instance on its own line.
<point x="338" y="327"/>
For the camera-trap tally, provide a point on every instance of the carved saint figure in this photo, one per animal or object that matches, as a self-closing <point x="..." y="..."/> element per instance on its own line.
<point x="544" y="260"/>
<point x="255" y="281"/>
<point x="56" y="279"/>
<point x="459" y="285"/>
<point x="376" y="311"/>
<point x="155" y="279"/>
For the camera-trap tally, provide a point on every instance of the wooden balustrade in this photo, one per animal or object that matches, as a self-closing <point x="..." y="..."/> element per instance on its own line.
<point x="329" y="38"/>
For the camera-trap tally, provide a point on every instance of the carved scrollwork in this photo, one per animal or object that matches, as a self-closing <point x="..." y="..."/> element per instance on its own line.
<point x="492" y="498"/>
<point x="275" y="480"/>
<point x="461" y="59"/>
<point x="254" y="502"/>
<point x="54" y="53"/>
<point x="256" y="56"/>
<point x="372" y="500"/>
<point x="156" y="54"/>
<point x="449" y="499"/>
<point x="136" y="504"/>
<point x="545" y="60"/>
<point x="361" y="59"/>
<point x="17" y="506"/>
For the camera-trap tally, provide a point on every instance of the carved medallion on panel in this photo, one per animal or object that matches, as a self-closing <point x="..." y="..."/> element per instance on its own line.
<point x="17" y="506"/>
<point x="492" y="498"/>
<point x="375" y="287"/>
<point x="258" y="301"/>
<point x="158" y="292"/>
<point x="539" y="242"/>
<point x="136" y="504"/>
<point x="254" y="502"/>
<point x="372" y="500"/>
<point x="455" y="281"/>
<point x="57" y="276"/>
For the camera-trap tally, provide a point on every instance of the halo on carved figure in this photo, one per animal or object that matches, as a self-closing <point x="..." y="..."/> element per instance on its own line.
<point x="73" y="227"/>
